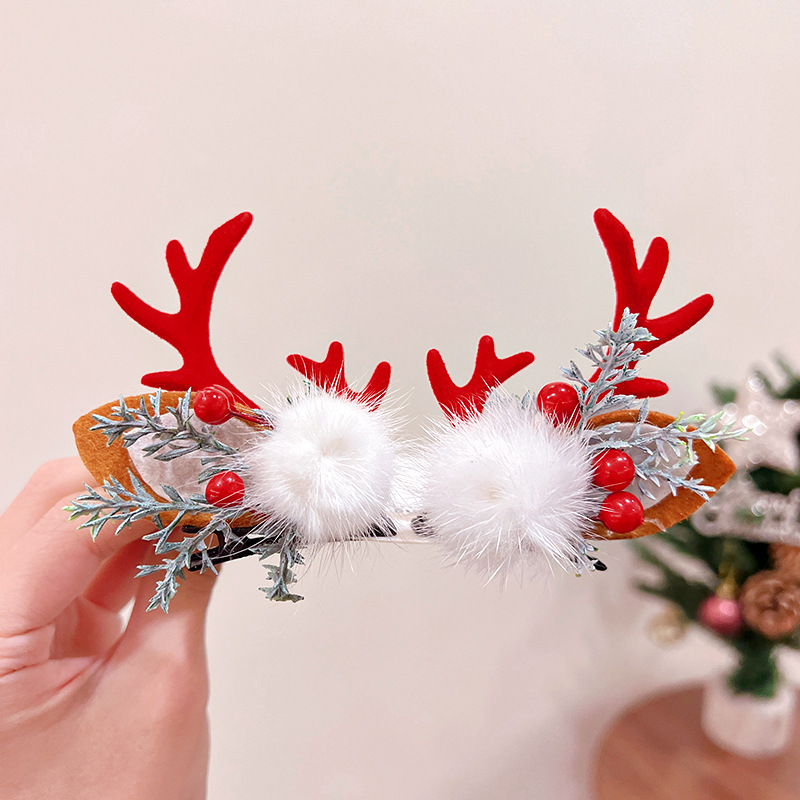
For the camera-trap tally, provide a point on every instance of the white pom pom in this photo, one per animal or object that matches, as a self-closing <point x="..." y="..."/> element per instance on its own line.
<point x="326" y="468"/>
<point x="506" y="487"/>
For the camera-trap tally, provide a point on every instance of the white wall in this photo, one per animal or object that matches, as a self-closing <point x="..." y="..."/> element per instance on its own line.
<point x="421" y="173"/>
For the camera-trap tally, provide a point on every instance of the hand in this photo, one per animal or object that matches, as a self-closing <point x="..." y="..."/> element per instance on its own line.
<point x="91" y="707"/>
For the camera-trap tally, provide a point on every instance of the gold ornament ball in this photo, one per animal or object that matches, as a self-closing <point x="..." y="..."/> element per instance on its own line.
<point x="669" y="626"/>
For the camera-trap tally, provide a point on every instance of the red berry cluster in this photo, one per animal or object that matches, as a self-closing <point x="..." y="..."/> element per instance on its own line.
<point x="215" y="405"/>
<point x="621" y="511"/>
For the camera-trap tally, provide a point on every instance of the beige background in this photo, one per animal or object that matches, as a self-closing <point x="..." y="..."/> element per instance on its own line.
<point x="421" y="173"/>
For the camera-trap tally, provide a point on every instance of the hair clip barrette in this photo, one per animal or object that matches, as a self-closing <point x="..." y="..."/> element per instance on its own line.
<point x="508" y="480"/>
<point x="220" y="477"/>
<point x="538" y="479"/>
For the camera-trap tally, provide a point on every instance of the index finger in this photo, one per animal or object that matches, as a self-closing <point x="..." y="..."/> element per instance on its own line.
<point x="50" y="482"/>
<point x="51" y="564"/>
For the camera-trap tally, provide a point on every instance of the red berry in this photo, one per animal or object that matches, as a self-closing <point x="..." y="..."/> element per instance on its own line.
<point x="560" y="402"/>
<point x="213" y="405"/>
<point x="227" y="392"/>
<point x="225" y="490"/>
<point x="613" y="470"/>
<point x="721" y="615"/>
<point x="621" y="512"/>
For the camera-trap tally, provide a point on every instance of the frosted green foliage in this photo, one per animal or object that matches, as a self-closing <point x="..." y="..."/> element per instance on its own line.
<point x="124" y="507"/>
<point x="614" y="356"/>
<point x="174" y="433"/>
<point x="282" y="574"/>
<point x="663" y="453"/>
<point x="174" y="567"/>
<point x="171" y="441"/>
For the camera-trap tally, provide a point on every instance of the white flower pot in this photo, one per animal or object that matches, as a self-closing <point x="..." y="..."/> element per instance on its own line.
<point x="749" y="726"/>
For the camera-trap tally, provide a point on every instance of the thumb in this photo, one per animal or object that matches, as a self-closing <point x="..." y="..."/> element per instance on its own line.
<point x="181" y="631"/>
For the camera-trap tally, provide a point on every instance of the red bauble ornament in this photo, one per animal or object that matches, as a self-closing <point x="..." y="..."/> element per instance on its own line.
<point x="721" y="615"/>
<point x="225" y="490"/>
<point x="621" y="512"/>
<point x="560" y="402"/>
<point x="213" y="405"/>
<point x="613" y="470"/>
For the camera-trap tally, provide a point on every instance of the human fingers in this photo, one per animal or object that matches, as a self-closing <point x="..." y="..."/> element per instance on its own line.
<point x="181" y="632"/>
<point x="51" y="564"/>
<point x="51" y="481"/>
<point x="115" y="584"/>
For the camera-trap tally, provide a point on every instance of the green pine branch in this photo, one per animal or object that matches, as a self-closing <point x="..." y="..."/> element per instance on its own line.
<point x="723" y="394"/>
<point x="770" y="480"/>
<point x="687" y="594"/>
<point x="757" y="671"/>
<point x="281" y="574"/>
<point x="685" y="540"/>
<point x="169" y="441"/>
<point x="613" y="355"/>
<point x="124" y="507"/>
<point x="174" y="568"/>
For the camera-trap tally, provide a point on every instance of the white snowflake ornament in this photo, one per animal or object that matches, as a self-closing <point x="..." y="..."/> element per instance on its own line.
<point x="772" y="429"/>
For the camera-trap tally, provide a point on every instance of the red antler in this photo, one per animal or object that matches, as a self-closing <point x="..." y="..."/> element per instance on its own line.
<point x="460" y="402"/>
<point x="636" y="287"/>
<point x="188" y="330"/>
<point x="329" y="375"/>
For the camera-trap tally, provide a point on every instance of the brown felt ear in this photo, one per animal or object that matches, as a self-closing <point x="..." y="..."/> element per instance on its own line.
<point x="713" y="467"/>
<point x="106" y="461"/>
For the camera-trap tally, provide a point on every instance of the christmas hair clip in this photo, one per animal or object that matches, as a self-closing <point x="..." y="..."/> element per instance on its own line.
<point x="539" y="478"/>
<point x="220" y="477"/>
<point x="509" y="480"/>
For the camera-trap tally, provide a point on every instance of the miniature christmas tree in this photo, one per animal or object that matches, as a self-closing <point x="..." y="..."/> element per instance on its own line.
<point x="747" y="539"/>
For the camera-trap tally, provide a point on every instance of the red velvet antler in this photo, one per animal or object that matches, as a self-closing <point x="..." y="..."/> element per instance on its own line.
<point x="636" y="289"/>
<point x="329" y="375"/>
<point x="188" y="330"/>
<point x="459" y="402"/>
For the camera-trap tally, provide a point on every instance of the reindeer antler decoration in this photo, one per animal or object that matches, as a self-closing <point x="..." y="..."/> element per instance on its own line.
<point x="315" y="469"/>
<point x="516" y="478"/>
<point x="503" y="481"/>
<point x="636" y="287"/>
<point x="329" y="376"/>
<point x="459" y="402"/>
<point x="188" y="330"/>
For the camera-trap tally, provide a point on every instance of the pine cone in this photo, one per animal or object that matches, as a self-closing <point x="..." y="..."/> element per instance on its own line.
<point x="770" y="604"/>
<point x="787" y="560"/>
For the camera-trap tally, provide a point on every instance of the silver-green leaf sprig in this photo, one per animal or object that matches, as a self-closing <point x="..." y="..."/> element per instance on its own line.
<point x="171" y="441"/>
<point x="613" y="356"/>
<point x="124" y="507"/>
<point x="113" y="503"/>
<point x="663" y="452"/>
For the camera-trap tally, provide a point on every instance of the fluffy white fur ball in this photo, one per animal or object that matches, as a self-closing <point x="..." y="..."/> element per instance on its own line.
<point x="326" y="468"/>
<point x="507" y="486"/>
